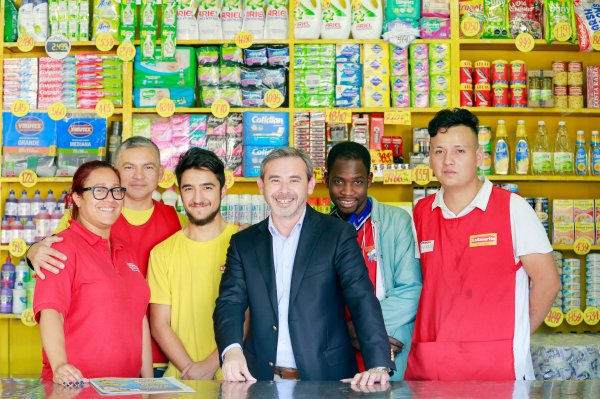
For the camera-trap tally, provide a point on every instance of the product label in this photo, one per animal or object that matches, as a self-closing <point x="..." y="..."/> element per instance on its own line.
<point x="522" y="158"/>
<point x="501" y="158"/>
<point x="563" y="162"/>
<point x="596" y="161"/>
<point x="581" y="161"/>
<point x="542" y="162"/>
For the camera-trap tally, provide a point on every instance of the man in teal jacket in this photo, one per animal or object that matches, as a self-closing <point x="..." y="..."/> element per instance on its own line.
<point x="387" y="242"/>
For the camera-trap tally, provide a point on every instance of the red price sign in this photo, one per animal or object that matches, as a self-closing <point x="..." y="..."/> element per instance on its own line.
<point x="337" y="115"/>
<point x="57" y="111"/>
<point x="165" y="107"/>
<point x="381" y="157"/>
<point x="220" y="108"/>
<point x="25" y="43"/>
<point x="591" y="316"/>
<point x="524" y="42"/>
<point x="397" y="117"/>
<point x="422" y="174"/>
<point x="105" y="42"/>
<point x="562" y="31"/>
<point x="554" y="318"/>
<point x="574" y="317"/>
<point x="403" y="176"/>
<point x="229" y="179"/>
<point x="318" y="174"/>
<point x="244" y="39"/>
<point x="168" y="179"/>
<point x="105" y="108"/>
<point x="273" y="98"/>
<point x="19" y="108"/>
<point x="582" y="246"/>
<point x="17" y="247"/>
<point x="28" y="178"/>
<point x="470" y="26"/>
<point x="126" y="52"/>
<point x="595" y="40"/>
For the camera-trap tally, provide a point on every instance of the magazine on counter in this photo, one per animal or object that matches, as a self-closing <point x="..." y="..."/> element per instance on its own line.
<point x="128" y="386"/>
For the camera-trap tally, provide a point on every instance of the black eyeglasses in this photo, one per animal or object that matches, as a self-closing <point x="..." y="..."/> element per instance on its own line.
<point x="101" y="193"/>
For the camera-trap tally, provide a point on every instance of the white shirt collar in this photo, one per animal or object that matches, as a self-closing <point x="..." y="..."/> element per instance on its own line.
<point x="275" y="233"/>
<point x="480" y="201"/>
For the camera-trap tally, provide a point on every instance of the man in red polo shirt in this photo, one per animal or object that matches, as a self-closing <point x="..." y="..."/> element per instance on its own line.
<point x="479" y="247"/>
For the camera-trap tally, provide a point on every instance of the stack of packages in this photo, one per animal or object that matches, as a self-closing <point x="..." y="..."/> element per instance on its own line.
<point x="314" y="75"/>
<point x="592" y="280"/>
<point x="263" y="132"/>
<point x="20" y="81"/>
<point x="376" y="76"/>
<point x="57" y="82"/>
<point x="348" y="79"/>
<point x="429" y="19"/>
<point x="224" y="137"/>
<point x="99" y="77"/>
<point x="419" y="73"/>
<point x="399" y="77"/>
<point x="106" y="18"/>
<point x="309" y="136"/>
<point x="71" y="19"/>
<point x="558" y="262"/>
<point x="571" y="284"/>
<point x="439" y="75"/>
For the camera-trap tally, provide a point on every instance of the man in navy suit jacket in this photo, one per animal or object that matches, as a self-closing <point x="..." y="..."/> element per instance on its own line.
<point x="296" y="271"/>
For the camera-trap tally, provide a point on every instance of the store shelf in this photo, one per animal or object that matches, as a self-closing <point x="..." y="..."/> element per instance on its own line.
<point x="219" y="42"/>
<point x="55" y="179"/>
<point x="576" y="179"/>
<point x="570" y="247"/>
<point x="245" y="179"/>
<point x="536" y="111"/>
<point x="509" y="44"/>
<point x="363" y="41"/>
<point x="373" y="109"/>
<point x="72" y="111"/>
<point x="9" y="316"/>
<point x="186" y="110"/>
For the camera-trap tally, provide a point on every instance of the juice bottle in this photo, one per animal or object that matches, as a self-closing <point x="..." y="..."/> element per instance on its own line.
<point x="581" y="162"/>
<point x="542" y="155"/>
<point x="563" y="155"/>
<point x="521" y="150"/>
<point x="501" y="153"/>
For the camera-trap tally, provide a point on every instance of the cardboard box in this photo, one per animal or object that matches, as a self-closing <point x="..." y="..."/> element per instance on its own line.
<point x="562" y="211"/>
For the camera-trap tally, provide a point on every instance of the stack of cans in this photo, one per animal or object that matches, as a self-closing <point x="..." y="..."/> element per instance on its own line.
<point x="500" y="74"/>
<point x="571" y="284"/>
<point x="540" y="205"/>
<point x="518" y="84"/>
<point x="592" y="280"/>
<point x="558" y="261"/>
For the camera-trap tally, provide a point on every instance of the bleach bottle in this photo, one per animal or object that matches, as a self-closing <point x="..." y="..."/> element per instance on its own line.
<point x="307" y="19"/>
<point x="336" y="20"/>
<point x="367" y="19"/>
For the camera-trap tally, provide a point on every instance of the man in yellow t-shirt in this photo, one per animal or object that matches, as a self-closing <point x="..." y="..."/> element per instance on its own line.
<point x="185" y="271"/>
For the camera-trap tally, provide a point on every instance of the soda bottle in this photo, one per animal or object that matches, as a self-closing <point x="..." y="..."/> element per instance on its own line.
<point x="501" y="153"/>
<point x="595" y="154"/>
<point x="581" y="162"/>
<point x="542" y="155"/>
<point x="563" y="154"/>
<point x="521" y="150"/>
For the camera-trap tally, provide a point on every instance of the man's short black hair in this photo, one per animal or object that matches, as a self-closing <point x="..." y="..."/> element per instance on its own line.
<point x="447" y="118"/>
<point x="198" y="158"/>
<point x="349" y="150"/>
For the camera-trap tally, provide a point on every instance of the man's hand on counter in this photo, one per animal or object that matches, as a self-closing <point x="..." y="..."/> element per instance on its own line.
<point x="235" y="367"/>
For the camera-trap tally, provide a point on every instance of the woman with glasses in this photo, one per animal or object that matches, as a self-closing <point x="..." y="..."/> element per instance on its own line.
<point x="92" y="315"/>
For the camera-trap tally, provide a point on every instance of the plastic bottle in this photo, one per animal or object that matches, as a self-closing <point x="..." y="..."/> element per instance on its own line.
<point x="8" y="274"/>
<point x="30" y="288"/>
<point x="24" y="206"/>
<point x="5" y="299"/>
<point x="36" y="203"/>
<point x="180" y="207"/>
<point x="50" y="202"/>
<point x="169" y="197"/>
<point x="501" y="152"/>
<point x="22" y="274"/>
<point x="11" y="206"/>
<point x="595" y="154"/>
<point x="55" y="220"/>
<point x="542" y="155"/>
<point x="307" y="19"/>
<point x="581" y="160"/>
<point x="563" y="154"/>
<point x="336" y="19"/>
<point x="29" y="231"/>
<point x="18" y="231"/>
<point x="60" y="204"/>
<point x="19" y="299"/>
<point x="367" y="19"/>
<point x="521" y="150"/>
<point x="6" y="231"/>
<point x="42" y="224"/>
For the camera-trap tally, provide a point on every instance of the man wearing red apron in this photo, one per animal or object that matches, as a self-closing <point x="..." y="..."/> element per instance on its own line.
<point x="479" y="246"/>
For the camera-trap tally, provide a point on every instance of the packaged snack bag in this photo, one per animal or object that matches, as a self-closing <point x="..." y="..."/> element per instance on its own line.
<point x="587" y="15"/>
<point x="525" y="17"/>
<point x="560" y="21"/>
<point x="474" y="9"/>
<point x="496" y="19"/>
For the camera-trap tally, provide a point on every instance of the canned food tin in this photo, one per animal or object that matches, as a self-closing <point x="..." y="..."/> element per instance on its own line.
<point x="567" y="307"/>
<point x="561" y="101"/>
<point x="466" y="98"/>
<point x="482" y="72"/>
<point x="571" y="278"/>
<point x="575" y="73"/>
<point x="546" y="92"/>
<point x="556" y="254"/>
<point x="541" y="209"/>
<point x="518" y="72"/>
<point x="531" y="202"/>
<point x="512" y="187"/>
<point x="500" y="95"/>
<point x="557" y="303"/>
<point x="571" y="288"/>
<point x="592" y="302"/>
<point x="575" y="102"/>
<point x="518" y="95"/>
<point x="482" y="95"/>
<point x="500" y="72"/>
<point x="484" y="137"/>
<point x="466" y="72"/>
<point x="559" y="69"/>
<point x="593" y="256"/>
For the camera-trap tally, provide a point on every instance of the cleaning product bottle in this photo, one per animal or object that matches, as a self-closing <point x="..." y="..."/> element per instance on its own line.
<point x="336" y="19"/>
<point x="29" y="231"/>
<point x="563" y="155"/>
<point x="307" y="19"/>
<point x="5" y="299"/>
<point x="501" y="152"/>
<point x="19" y="299"/>
<point x="21" y="273"/>
<point x="581" y="161"/>
<point x="367" y="19"/>
<point x="24" y="206"/>
<point x="8" y="274"/>
<point x="42" y="224"/>
<point x="55" y="219"/>
<point x="18" y="231"/>
<point x="169" y="197"/>
<point x="50" y="202"/>
<point x="6" y="231"/>
<point x="60" y="204"/>
<point x="11" y="206"/>
<point x="36" y="203"/>
<point x="521" y="150"/>
<point x="595" y="154"/>
<point x="542" y="155"/>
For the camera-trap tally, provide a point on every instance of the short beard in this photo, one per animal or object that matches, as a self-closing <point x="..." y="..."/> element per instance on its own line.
<point x="204" y="221"/>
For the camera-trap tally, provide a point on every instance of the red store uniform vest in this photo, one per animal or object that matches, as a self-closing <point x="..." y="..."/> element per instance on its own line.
<point x="466" y="317"/>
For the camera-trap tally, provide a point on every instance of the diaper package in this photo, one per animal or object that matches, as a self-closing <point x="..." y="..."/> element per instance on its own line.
<point x="81" y="139"/>
<point x="149" y="97"/>
<point x="180" y="73"/>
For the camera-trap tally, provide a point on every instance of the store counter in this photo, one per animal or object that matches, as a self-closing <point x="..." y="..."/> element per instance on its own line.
<point x="34" y="389"/>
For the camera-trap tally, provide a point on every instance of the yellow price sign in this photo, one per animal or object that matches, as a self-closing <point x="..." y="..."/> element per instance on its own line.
<point x="338" y="115"/>
<point x="229" y="179"/>
<point x="562" y="31"/>
<point x="105" y="42"/>
<point x="397" y="117"/>
<point x="582" y="246"/>
<point x="57" y="111"/>
<point x="17" y="247"/>
<point x="244" y="39"/>
<point x="402" y="176"/>
<point x="25" y="43"/>
<point x="168" y="179"/>
<point x="381" y="157"/>
<point x="28" y="178"/>
<point x="273" y="98"/>
<point x="470" y="26"/>
<point x="105" y="108"/>
<point x="524" y="42"/>
<point x="220" y="108"/>
<point x="554" y="318"/>
<point x="422" y="174"/>
<point x="19" y="108"/>
<point x="591" y="316"/>
<point x="574" y="317"/>
<point x="165" y="107"/>
<point x="595" y="41"/>
<point x="126" y="52"/>
<point x="319" y="175"/>
<point x="28" y="317"/>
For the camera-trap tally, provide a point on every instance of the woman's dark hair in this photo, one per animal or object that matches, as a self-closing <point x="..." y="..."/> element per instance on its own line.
<point x="199" y="158"/>
<point x="349" y="150"/>
<point x="79" y="179"/>
<point x="447" y="118"/>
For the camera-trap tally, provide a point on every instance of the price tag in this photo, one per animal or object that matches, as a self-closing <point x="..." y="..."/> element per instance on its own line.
<point x="105" y="108"/>
<point x="57" y="111"/>
<point x="273" y="98"/>
<point x="28" y="178"/>
<point x="338" y="115"/>
<point x="554" y="318"/>
<point x="403" y="176"/>
<point x="399" y="117"/>
<point x="105" y="42"/>
<point x="381" y="157"/>
<point x="562" y="31"/>
<point x="582" y="246"/>
<point x="591" y="316"/>
<point x="422" y="174"/>
<point x="470" y="26"/>
<point x="58" y="47"/>
<point x="524" y="42"/>
<point x="244" y="39"/>
<point x="25" y="43"/>
<point x="19" y="108"/>
<point x="17" y="247"/>
<point x="220" y="108"/>
<point x="595" y="40"/>
<point x="126" y="52"/>
<point x="28" y="317"/>
<point x="165" y="107"/>
<point x="168" y="179"/>
<point x="318" y="174"/>
<point x="574" y="317"/>
<point x="229" y="179"/>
